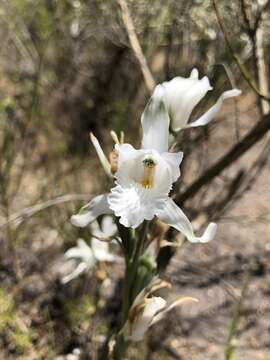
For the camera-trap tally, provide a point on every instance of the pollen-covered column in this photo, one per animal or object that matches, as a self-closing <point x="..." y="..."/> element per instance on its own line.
<point x="148" y="173"/>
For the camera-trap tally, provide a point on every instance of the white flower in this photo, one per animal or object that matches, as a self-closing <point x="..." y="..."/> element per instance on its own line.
<point x="144" y="179"/>
<point x="86" y="257"/>
<point x="83" y="259"/>
<point x="147" y="311"/>
<point x="181" y="95"/>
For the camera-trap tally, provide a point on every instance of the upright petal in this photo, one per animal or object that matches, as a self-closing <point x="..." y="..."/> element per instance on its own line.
<point x="213" y="111"/>
<point x="102" y="157"/>
<point x="181" y="95"/>
<point x="172" y="215"/>
<point x="96" y="207"/>
<point x="155" y="122"/>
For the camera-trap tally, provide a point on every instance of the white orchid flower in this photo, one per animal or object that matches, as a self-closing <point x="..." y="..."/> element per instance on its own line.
<point x="86" y="257"/>
<point x="83" y="258"/>
<point x="144" y="179"/>
<point x="147" y="311"/>
<point x="181" y="95"/>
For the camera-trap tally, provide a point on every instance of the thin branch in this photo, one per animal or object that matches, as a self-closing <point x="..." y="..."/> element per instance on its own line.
<point x="261" y="63"/>
<point x="248" y="26"/>
<point x="241" y="66"/>
<point x="135" y="45"/>
<point x="260" y="14"/>
<point x="255" y="134"/>
<point x="32" y="210"/>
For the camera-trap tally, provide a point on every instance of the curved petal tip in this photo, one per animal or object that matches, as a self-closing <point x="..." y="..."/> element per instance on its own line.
<point x="209" y="233"/>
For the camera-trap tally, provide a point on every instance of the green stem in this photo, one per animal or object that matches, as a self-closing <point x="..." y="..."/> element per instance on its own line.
<point x="131" y="270"/>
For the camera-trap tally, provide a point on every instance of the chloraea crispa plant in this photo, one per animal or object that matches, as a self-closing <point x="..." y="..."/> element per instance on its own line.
<point x="141" y="186"/>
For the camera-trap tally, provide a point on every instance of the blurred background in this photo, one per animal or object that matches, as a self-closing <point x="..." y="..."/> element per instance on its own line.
<point x="67" y="68"/>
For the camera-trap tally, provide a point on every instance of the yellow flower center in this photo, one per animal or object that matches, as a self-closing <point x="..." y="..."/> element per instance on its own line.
<point x="148" y="173"/>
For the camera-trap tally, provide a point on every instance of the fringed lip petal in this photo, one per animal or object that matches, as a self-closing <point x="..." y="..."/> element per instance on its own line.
<point x="213" y="111"/>
<point x="96" y="207"/>
<point x="172" y="215"/>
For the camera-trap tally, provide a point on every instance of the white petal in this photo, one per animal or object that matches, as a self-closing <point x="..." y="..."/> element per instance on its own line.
<point x="102" y="157"/>
<point x="172" y="215"/>
<point x="177" y="302"/>
<point x="173" y="160"/>
<point x="182" y="95"/>
<point x="96" y="207"/>
<point x="82" y="252"/>
<point x="101" y="251"/>
<point x="154" y="285"/>
<point x="106" y="230"/>
<point x="132" y="205"/>
<point x="108" y="226"/>
<point x="212" y="112"/>
<point x="131" y="169"/>
<point x="194" y="74"/>
<point x="155" y="122"/>
<point x="130" y="165"/>
<point x="81" y="268"/>
<point x="143" y="321"/>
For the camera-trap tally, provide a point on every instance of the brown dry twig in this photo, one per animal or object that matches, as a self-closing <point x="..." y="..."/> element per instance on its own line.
<point x="26" y="213"/>
<point x="241" y="66"/>
<point x="262" y="10"/>
<point x="135" y="45"/>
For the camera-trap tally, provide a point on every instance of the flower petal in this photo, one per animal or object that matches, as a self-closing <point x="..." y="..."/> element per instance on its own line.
<point x="136" y="327"/>
<point x="130" y="166"/>
<point x="172" y="215"/>
<point x="101" y="251"/>
<point x="155" y="122"/>
<point x="181" y="95"/>
<point x="133" y="205"/>
<point x="81" y="268"/>
<point x="177" y="302"/>
<point x="102" y="157"/>
<point x="82" y="252"/>
<point x="96" y="207"/>
<point x="108" y="226"/>
<point x="173" y="160"/>
<point x="104" y="231"/>
<point x="212" y="112"/>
